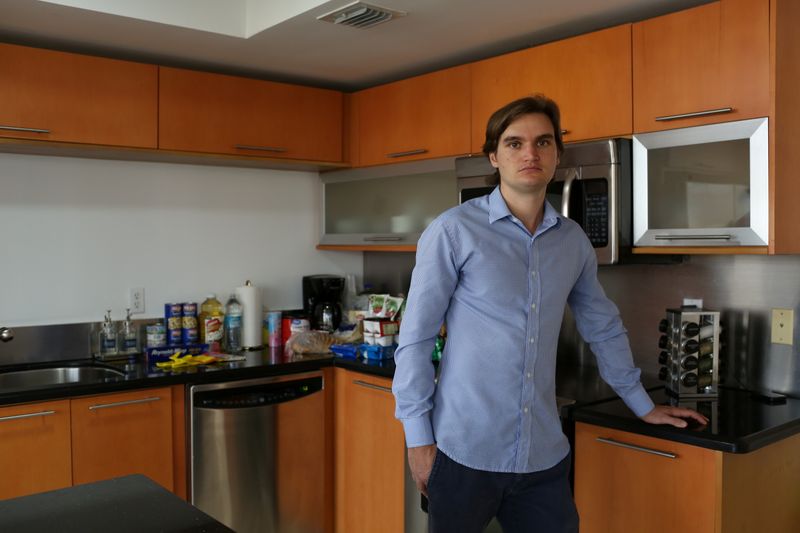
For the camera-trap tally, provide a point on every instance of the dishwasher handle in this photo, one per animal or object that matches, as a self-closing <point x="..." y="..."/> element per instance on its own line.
<point x="260" y="395"/>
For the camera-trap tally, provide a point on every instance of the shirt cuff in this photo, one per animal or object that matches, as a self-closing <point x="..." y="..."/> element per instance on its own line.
<point x="419" y="431"/>
<point x="639" y="401"/>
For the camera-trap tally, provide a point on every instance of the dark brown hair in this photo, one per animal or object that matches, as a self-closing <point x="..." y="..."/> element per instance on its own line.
<point x="503" y="117"/>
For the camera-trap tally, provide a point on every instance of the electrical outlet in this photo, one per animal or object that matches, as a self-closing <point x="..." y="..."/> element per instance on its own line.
<point x="783" y="326"/>
<point x="697" y="302"/>
<point x="136" y="300"/>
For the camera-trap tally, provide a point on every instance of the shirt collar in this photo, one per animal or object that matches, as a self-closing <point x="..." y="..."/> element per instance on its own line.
<point x="498" y="209"/>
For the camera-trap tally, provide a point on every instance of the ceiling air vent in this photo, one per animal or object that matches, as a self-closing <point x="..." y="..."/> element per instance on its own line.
<point x="361" y="15"/>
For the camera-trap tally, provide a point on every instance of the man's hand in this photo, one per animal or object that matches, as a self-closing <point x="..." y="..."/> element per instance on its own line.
<point x="420" y="460"/>
<point x="665" y="414"/>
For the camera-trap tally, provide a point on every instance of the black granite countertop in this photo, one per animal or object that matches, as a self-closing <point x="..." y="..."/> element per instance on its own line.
<point x="739" y="421"/>
<point x="142" y="373"/>
<point x="132" y="504"/>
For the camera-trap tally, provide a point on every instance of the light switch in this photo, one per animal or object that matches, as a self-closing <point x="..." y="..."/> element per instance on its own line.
<point x="783" y="326"/>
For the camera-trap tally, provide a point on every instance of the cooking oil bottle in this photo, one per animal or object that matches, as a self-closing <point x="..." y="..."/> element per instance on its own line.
<point x="211" y="326"/>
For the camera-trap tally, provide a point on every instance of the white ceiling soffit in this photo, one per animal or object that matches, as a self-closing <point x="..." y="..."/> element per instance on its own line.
<point x="235" y="18"/>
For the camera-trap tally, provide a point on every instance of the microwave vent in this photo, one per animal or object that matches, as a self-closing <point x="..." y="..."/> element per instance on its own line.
<point x="361" y="15"/>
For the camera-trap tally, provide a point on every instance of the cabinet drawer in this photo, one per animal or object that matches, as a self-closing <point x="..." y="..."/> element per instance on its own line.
<point x="34" y="448"/>
<point x="629" y="482"/>
<point x="119" y="434"/>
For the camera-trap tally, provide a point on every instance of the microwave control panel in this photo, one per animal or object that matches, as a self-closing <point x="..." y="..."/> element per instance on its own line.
<point x="596" y="216"/>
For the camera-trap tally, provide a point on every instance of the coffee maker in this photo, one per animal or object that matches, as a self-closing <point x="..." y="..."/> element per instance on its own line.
<point x="322" y="300"/>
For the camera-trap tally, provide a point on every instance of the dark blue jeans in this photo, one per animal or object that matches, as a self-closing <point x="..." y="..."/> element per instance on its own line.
<point x="464" y="500"/>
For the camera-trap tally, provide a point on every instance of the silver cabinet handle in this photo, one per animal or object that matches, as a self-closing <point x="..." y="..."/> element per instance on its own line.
<point x="371" y="386"/>
<point x="27" y="415"/>
<point x="261" y="148"/>
<point x="6" y="334"/>
<point x="564" y="132"/>
<point x="27" y="130"/>
<point x="719" y="111"/>
<point x="637" y="448"/>
<point x="379" y="239"/>
<point x="118" y="404"/>
<point x="410" y="152"/>
<point x="720" y="236"/>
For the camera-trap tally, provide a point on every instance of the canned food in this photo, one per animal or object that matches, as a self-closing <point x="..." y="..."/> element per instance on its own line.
<point x="190" y="334"/>
<point x="173" y="320"/>
<point x="274" y="328"/>
<point x="156" y="336"/>
<point x="299" y="324"/>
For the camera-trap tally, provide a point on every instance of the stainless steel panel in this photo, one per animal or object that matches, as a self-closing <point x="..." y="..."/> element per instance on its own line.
<point x="41" y="344"/>
<point x="743" y="288"/>
<point x="236" y="458"/>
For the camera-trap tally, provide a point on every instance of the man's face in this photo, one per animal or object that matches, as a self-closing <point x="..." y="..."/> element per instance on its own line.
<point x="526" y="154"/>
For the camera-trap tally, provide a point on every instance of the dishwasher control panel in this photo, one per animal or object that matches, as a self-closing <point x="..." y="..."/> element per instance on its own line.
<point x="257" y="395"/>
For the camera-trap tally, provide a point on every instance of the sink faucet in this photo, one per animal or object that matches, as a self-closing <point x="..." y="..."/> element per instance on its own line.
<point x="6" y="334"/>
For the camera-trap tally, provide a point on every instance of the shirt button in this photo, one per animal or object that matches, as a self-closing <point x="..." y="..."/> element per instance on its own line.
<point x="533" y="274"/>
<point x="533" y="306"/>
<point x="524" y="409"/>
<point x="531" y="340"/>
<point x="529" y="375"/>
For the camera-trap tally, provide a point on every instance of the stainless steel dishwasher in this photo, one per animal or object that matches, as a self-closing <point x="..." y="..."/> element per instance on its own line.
<point x="258" y="453"/>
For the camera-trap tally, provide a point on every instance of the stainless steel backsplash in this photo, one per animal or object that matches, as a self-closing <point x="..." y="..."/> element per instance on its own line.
<point x="743" y="288"/>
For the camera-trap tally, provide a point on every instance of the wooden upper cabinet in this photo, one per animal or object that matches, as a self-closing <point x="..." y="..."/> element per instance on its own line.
<point x="213" y="113"/>
<point x="34" y="448"/>
<point x="589" y="76"/>
<point x="418" y="118"/>
<point x="705" y="59"/>
<point x="59" y="96"/>
<point x="126" y="433"/>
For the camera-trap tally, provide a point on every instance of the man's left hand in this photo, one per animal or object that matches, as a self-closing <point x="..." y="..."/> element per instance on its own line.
<point x="665" y="414"/>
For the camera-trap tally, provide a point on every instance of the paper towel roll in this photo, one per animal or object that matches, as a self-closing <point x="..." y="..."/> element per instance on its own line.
<point x="250" y="298"/>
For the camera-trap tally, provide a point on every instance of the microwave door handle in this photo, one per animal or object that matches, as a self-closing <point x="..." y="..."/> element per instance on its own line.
<point x="572" y="173"/>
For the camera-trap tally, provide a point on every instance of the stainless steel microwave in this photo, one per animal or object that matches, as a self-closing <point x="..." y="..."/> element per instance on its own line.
<point x="592" y="185"/>
<point x="702" y="185"/>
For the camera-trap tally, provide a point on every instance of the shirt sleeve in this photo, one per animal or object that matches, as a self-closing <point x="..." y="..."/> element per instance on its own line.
<point x="599" y="323"/>
<point x="433" y="282"/>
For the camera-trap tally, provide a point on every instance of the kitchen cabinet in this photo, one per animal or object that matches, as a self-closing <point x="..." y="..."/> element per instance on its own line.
<point x="123" y="433"/>
<point x="423" y="117"/>
<point x="589" y="76"/>
<point x="58" y="96"/>
<point x="631" y="482"/>
<point x="707" y="59"/>
<point x="213" y="113"/>
<point x="35" y="454"/>
<point x="370" y="455"/>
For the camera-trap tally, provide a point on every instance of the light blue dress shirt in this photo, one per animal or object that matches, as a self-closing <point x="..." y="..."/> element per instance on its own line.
<point x="502" y="293"/>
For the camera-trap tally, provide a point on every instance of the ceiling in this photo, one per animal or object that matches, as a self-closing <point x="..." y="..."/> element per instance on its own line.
<point x="284" y="41"/>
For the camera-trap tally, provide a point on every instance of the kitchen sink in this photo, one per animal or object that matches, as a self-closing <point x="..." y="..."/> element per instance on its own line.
<point x="43" y="377"/>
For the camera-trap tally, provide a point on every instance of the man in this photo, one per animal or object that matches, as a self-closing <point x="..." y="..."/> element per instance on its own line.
<point x="486" y="440"/>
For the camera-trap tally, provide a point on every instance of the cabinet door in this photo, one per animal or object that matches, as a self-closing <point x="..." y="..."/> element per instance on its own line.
<point x="119" y="434"/>
<point x="34" y="448"/>
<point x="58" y="96"/>
<point x="589" y="76"/>
<point x="370" y="456"/>
<point x="418" y="118"/>
<point x="204" y="112"/>
<point x="706" y="59"/>
<point x="620" y="488"/>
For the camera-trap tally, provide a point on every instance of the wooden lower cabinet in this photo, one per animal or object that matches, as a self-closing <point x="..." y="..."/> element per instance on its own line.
<point x="126" y="433"/>
<point x="624" y="482"/>
<point x="370" y="456"/>
<point x="34" y="448"/>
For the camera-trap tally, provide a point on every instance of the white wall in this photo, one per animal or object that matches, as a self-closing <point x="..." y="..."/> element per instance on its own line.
<point x="76" y="234"/>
